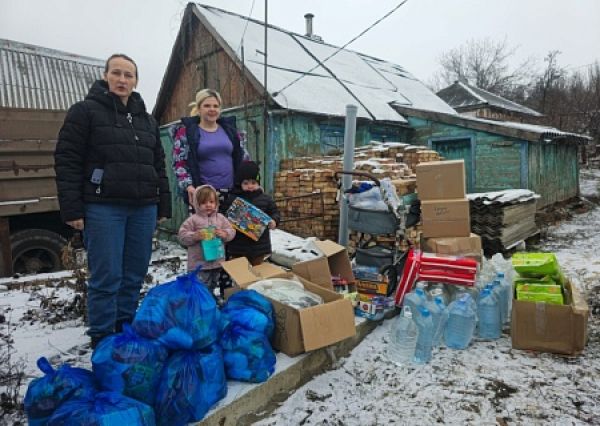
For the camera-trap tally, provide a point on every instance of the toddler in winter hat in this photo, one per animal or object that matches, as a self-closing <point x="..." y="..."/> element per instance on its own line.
<point x="248" y="170"/>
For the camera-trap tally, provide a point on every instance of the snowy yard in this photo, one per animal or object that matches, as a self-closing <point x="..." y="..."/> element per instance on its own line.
<point x="489" y="383"/>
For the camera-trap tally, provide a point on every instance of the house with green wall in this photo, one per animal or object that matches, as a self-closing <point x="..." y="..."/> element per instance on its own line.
<point x="297" y="105"/>
<point x="502" y="154"/>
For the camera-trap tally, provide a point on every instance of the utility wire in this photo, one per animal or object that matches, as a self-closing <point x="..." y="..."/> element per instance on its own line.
<point x="239" y="48"/>
<point x="341" y="48"/>
<point x="246" y="26"/>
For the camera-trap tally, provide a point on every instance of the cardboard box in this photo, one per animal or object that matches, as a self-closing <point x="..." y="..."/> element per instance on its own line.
<point x="446" y="218"/>
<point x="335" y="261"/>
<point x="545" y="327"/>
<point x="456" y="246"/>
<point x="299" y="330"/>
<point x="438" y="180"/>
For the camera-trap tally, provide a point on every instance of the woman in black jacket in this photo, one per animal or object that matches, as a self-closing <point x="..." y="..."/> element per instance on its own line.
<point x="112" y="185"/>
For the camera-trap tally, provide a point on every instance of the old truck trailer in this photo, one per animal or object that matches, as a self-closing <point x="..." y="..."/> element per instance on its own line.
<point x="37" y="87"/>
<point x="32" y="234"/>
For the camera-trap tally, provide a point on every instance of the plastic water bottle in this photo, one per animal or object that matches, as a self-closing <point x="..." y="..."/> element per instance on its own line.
<point x="403" y="338"/>
<point x="439" y="289"/>
<point x="506" y="295"/>
<point x="439" y="313"/>
<point x="422" y="285"/>
<point x="461" y="323"/>
<point x="460" y="291"/>
<point x="498" y="290"/>
<point x="425" y="339"/>
<point x="414" y="299"/>
<point x="488" y="307"/>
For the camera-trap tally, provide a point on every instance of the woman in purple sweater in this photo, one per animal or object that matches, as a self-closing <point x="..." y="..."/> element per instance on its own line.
<point x="206" y="147"/>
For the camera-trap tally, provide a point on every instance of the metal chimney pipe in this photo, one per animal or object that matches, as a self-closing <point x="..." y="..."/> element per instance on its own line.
<point x="309" y="24"/>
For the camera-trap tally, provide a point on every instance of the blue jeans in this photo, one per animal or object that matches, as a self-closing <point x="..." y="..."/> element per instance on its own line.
<point x="118" y="240"/>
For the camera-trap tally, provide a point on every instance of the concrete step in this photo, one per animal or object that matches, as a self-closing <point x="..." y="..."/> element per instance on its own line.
<point x="247" y="403"/>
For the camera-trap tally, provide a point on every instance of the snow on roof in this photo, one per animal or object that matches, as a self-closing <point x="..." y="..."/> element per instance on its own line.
<point x="508" y="196"/>
<point x="463" y="95"/>
<point x="347" y="78"/>
<point x="536" y="128"/>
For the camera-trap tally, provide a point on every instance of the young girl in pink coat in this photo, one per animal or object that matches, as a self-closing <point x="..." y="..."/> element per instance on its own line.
<point x="205" y="223"/>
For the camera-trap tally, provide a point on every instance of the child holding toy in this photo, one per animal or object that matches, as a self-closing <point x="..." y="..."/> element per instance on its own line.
<point x="247" y="187"/>
<point x="204" y="233"/>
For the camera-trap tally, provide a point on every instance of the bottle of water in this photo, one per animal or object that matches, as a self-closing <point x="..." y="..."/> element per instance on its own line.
<point x="414" y="299"/>
<point x="425" y="339"/>
<point x="422" y="285"/>
<point x="498" y="290"/>
<point x="488" y="308"/>
<point x="439" y="289"/>
<point x="439" y="313"/>
<point x="461" y="323"/>
<point x="506" y="294"/>
<point x="403" y="338"/>
<point x="460" y="291"/>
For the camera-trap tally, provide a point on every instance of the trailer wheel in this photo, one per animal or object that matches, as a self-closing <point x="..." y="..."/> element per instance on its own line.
<point x="36" y="250"/>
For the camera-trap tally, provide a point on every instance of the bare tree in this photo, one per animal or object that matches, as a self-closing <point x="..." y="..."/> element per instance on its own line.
<point x="485" y="63"/>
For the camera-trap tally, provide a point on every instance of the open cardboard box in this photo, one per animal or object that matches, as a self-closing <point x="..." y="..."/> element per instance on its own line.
<point x="545" y="327"/>
<point x="299" y="330"/>
<point x="456" y="246"/>
<point x="335" y="261"/>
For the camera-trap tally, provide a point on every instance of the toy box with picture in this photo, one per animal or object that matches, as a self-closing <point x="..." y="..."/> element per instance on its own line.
<point x="247" y="218"/>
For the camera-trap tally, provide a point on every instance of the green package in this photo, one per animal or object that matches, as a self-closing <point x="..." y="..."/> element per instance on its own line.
<point x="540" y="293"/>
<point x="545" y="280"/>
<point x="536" y="264"/>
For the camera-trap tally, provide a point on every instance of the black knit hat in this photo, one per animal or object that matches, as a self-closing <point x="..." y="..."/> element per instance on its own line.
<point x="248" y="170"/>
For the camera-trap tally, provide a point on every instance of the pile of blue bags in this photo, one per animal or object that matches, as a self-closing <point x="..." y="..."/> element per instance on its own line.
<point x="168" y="368"/>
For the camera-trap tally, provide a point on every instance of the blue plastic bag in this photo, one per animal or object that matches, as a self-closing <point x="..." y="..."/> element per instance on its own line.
<point x="246" y="327"/>
<point x="181" y="314"/>
<point x="191" y="383"/>
<point x="45" y="394"/>
<point x="105" y="409"/>
<point x="129" y="364"/>
<point x="247" y="354"/>
<point x="251" y="310"/>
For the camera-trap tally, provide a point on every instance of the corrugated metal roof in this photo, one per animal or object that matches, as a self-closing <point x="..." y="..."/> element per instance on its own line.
<point x="35" y="77"/>
<point x="463" y="96"/>
<point x="326" y="86"/>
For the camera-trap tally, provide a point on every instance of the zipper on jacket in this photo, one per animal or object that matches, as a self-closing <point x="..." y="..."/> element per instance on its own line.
<point x="137" y="148"/>
<point x="130" y="119"/>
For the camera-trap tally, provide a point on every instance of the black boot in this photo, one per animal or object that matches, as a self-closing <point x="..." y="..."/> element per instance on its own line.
<point x="95" y="340"/>
<point x="119" y="325"/>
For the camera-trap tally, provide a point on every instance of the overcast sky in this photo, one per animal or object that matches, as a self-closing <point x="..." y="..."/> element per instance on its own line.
<point x="414" y="36"/>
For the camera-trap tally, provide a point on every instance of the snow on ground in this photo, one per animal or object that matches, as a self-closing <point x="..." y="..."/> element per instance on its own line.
<point x="489" y="383"/>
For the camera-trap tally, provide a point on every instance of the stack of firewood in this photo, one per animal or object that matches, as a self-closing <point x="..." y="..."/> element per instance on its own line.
<point x="302" y="193"/>
<point x="413" y="155"/>
<point x="306" y="186"/>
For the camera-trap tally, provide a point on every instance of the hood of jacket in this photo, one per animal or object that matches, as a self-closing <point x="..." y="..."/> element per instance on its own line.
<point x="195" y="202"/>
<point x="99" y="92"/>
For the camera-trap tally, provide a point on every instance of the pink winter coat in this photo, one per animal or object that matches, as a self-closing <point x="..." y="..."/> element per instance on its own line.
<point x="188" y="238"/>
